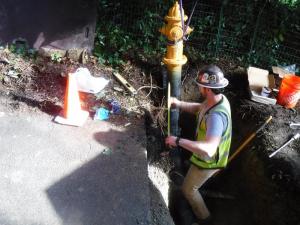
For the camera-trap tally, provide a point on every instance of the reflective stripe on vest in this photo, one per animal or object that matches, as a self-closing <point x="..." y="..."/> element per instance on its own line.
<point x="221" y="157"/>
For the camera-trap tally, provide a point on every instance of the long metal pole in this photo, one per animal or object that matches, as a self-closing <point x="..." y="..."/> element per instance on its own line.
<point x="241" y="147"/>
<point x="249" y="139"/>
<point x="175" y="81"/>
<point x="296" y="136"/>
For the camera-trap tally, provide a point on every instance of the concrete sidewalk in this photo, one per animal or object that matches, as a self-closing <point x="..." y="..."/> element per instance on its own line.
<point x="61" y="175"/>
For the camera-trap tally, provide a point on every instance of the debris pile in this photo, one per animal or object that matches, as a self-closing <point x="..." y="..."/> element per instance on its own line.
<point x="42" y="81"/>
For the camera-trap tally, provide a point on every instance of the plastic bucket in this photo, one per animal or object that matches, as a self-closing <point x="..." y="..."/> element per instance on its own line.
<point x="289" y="92"/>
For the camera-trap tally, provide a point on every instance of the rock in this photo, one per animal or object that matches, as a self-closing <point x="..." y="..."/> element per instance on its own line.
<point x="49" y="52"/>
<point x="13" y="73"/>
<point x="84" y="57"/>
<point x="6" y="80"/>
<point x="75" y="54"/>
<point x="4" y="61"/>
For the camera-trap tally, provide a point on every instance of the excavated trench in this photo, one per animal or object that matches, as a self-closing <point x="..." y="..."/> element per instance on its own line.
<point x="253" y="189"/>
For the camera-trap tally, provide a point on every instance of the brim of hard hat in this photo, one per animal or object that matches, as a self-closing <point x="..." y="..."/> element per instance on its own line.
<point x="213" y="86"/>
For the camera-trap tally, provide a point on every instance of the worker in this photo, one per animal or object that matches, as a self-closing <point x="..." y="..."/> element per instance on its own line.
<point x="210" y="149"/>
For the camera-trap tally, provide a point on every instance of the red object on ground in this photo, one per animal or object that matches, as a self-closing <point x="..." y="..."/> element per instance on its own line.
<point x="289" y="92"/>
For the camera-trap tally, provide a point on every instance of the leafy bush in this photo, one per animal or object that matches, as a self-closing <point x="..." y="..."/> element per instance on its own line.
<point x="119" y="37"/>
<point x="21" y="47"/>
<point x="250" y="32"/>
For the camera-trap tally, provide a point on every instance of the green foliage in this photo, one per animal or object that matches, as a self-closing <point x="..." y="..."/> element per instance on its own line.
<point x="21" y="48"/>
<point x="111" y="44"/>
<point x="56" y="57"/>
<point x="290" y="3"/>
<point x="250" y="32"/>
<point x="123" y="34"/>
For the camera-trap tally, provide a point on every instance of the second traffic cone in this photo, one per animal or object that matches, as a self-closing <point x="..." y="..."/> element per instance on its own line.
<point x="72" y="113"/>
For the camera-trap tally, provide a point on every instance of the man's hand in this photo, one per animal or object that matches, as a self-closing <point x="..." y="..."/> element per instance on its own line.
<point x="171" y="141"/>
<point x="174" y="102"/>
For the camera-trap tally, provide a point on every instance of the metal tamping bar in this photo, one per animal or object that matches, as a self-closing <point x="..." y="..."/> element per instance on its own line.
<point x="249" y="139"/>
<point x="294" y="125"/>
<point x="241" y="147"/>
<point x="296" y="136"/>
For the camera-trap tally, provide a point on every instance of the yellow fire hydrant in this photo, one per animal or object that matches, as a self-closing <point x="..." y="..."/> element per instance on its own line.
<point x="174" y="59"/>
<point x="174" y="32"/>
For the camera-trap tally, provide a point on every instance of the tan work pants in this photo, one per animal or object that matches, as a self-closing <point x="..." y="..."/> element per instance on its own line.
<point x="194" y="179"/>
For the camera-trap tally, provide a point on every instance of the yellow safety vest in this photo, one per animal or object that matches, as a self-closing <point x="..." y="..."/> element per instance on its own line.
<point x="221" y="157"/>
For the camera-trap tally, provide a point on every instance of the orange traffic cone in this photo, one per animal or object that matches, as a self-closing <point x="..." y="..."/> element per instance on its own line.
<point x="72" y="113"/>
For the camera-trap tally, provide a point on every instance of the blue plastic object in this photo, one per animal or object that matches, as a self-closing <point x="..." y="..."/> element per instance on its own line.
<point x="115" y="107"/>
<point x="101" y="114"/>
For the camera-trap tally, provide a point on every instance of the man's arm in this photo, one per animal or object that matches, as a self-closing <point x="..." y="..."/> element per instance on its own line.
<point x="208" y="147"/>
<point x="205" y="149"/>
<point x="190" y="107"/>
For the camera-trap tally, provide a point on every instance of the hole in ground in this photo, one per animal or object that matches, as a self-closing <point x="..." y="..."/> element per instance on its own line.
<point x="265" y="191"/>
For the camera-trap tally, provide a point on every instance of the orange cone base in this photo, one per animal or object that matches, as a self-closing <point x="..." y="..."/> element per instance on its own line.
<point x="77" y="120"/>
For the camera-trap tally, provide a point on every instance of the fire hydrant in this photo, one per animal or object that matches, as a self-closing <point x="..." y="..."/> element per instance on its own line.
<point x="174" y="31"/>
<point x="174" y="59"/>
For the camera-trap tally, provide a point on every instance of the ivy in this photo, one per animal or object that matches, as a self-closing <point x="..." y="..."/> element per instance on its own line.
<point x="250" y="32"/>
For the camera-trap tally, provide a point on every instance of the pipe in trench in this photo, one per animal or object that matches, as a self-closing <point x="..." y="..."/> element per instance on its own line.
<point x="174" y="77"/>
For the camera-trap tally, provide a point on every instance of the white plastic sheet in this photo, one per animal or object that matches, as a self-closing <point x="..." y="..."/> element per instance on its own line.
<point x="88" y="83"/>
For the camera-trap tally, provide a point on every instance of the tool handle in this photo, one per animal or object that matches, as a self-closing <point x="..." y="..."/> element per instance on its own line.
<point x="265" y="123"/>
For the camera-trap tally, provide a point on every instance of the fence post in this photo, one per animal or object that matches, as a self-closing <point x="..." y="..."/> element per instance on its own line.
<point x="255" y="31"/>
<point x="221" y="20"/>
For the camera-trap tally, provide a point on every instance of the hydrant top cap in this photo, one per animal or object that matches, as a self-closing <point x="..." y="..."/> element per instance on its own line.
<point x="174" y="14"/>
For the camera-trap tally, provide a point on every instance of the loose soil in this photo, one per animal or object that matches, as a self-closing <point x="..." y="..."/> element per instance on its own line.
<point x="266" y="190"/>
<point x="253" y="189"/>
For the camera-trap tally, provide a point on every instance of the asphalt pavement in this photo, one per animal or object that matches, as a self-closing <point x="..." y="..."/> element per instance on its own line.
<point x="63" y="175"/>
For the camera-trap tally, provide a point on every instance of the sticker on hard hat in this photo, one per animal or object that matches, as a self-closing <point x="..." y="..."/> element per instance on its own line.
<point x="212" y="80"/>
<point x="209" y="78"/>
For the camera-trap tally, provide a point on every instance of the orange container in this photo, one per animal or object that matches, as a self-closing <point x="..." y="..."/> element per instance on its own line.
<point x="289" y="92"/>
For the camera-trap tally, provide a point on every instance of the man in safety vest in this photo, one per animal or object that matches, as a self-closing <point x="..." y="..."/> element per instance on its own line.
<point x="210" y="149"/>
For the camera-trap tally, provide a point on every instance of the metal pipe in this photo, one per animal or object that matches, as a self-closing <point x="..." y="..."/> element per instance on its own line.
<point x="175" y="83"/>
<point x="294" y="125"/>
<point x="296" y="136"/>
